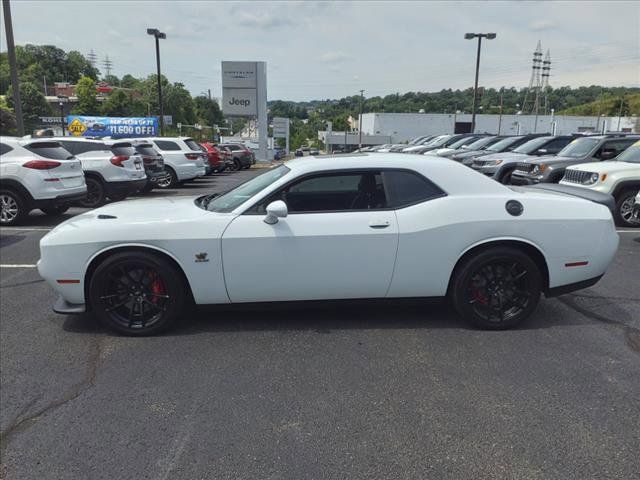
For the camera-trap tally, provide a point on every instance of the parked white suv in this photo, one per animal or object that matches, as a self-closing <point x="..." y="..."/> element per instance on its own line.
<point x="37" y="173"/>
<point x="112" y="168"/>
<point x="619" y="177"/>
<point x="183" y="159"/>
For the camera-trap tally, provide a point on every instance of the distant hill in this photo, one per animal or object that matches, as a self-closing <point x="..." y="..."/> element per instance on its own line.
<point x="608" y="105"/>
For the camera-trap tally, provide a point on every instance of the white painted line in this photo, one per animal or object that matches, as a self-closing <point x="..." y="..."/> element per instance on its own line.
<point x="18" y="265"/>
<point x="26" y="229"/>
<point x="629" y="231"/>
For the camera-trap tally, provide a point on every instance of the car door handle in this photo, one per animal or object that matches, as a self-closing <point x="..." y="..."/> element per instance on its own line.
<point x="379" y="224"/>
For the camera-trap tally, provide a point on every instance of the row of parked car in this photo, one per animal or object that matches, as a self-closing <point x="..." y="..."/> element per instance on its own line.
<point x="51" y="174"/>
<point x="608" y="163"/>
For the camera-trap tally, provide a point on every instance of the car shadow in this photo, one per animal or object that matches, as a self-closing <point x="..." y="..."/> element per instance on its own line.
<point x="357" y="315"/>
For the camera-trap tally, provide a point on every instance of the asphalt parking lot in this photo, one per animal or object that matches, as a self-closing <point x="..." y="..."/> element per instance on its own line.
<point x="361" y="391"/>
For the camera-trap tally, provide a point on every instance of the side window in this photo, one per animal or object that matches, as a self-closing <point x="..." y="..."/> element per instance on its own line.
<point x="554" y="146"/>
<point x="4" y="148"/>
<point x="166" y="145"/>
<point x="332" y="193"/>
<point x="616" y="146"/>
<point x="408" y="188"/>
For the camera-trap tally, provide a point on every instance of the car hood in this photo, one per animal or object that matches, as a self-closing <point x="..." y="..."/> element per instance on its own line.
<point x="471" y="153"/>
<point x="608" y="167"/>
<point x="553" y="159"/>
<point x="507" y="157"/>
<point x="138" y="220"/>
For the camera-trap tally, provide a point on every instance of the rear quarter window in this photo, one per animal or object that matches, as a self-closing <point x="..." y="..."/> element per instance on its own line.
<point x="193" y="145"/>
<point x="4" y="148"/>
<point x="166" y="145"/>
<point x="51" y="150"/>
<point x="406" y="188"/>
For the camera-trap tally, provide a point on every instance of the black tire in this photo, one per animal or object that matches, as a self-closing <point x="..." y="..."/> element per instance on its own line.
<point x="491" y="277"/>
<point x="55" y="211"/>
<point x="13" y="208"/>
<point x="148" y="187"/>
<point x="118" y="198"/>
<point x="170" y="181"/>
<point x="137" y="284"/>
<point x="624" y="209"/>
<point x="96" y="196"/>
<point x="236" y="165"/>
<point x="505" y="179"/>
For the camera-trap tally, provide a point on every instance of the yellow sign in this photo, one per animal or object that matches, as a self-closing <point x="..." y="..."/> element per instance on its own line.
<point x="77" y="128"/>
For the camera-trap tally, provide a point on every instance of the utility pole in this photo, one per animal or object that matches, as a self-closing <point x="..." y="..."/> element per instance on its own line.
<point x="360" y="120"/>
<point x="620" y="112"/>
<point x="158" y="35"/>
<point x="13" y="67"/>
<point x="479" y="36"/>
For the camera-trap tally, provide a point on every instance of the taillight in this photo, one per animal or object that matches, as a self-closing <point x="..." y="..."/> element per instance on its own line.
<point x="118" y="159"/>
<point x="192" y="156"/>
<point x="147" y="160"/>
<point x="41" y="164"/>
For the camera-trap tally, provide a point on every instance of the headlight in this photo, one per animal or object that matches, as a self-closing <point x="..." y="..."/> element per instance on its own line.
<point x="539" y="169"/>
<point x="535" y="170"/>
<point x="492" y="162"/>
<point x="593" y="178"/>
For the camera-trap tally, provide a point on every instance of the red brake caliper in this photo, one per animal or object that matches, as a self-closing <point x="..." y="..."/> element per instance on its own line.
<point x="478" y="295"/>
<point x="157" y="287"/>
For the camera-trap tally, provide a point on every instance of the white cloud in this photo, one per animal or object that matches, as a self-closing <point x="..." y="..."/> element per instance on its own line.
<point x="542" y="25"/>
<point x="335" y="57"/>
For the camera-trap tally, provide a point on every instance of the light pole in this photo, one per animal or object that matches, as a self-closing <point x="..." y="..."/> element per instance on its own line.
<point x="62" y="99"/>
<point x="13" y="67"/>
<point x="479" y="36"/>
<point x="158" y="35"/>
<point x="360" y="120"/>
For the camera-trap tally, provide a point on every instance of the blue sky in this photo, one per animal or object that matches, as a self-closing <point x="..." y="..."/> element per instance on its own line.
<point x="317" y="50"/>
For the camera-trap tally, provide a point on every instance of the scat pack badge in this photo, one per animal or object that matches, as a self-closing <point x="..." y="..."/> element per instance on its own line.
<point x="201" y="257"/>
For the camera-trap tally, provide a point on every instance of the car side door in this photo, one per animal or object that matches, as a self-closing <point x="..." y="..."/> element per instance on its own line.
<point x="338" y="241"/>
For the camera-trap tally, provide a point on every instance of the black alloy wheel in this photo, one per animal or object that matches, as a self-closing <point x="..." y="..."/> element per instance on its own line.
<point x="497" y="288"/>
<point x="96" y="196"/>
<point x="137" y="293"/>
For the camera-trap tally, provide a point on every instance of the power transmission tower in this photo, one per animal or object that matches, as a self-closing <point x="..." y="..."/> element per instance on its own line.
<point x="546" y="72"/>
<point x="531" y="100"/>
<point x="107" y="64"/>
<point x="92" y="57"/>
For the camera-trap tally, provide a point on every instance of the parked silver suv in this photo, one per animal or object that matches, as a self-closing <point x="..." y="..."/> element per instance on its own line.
<point x="113" y="169"/>
<point x="37" y="173"/>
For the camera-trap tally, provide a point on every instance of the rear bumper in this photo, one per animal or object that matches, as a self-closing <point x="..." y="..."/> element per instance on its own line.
<point x="572" y="287"/>
<point x="61" y="199"/>
<point x="119" y="189"/>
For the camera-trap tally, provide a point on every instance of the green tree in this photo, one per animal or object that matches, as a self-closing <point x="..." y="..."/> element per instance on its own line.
<point x="87" y="101"/>
<point x="122" y="103"/>
<point x="34" y="105"/>
<point x="7" y="119"/>
<point x="207" y="111"/>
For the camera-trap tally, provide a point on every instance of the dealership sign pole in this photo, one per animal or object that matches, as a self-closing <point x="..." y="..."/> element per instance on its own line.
<point x="281" y="130"/>
<point x="244" y="94"/>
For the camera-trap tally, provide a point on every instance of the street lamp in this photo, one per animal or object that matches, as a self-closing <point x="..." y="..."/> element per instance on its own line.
<point x="479" y="36"/>
<point x="62" y="99"/>
<point x="158" y="35"/>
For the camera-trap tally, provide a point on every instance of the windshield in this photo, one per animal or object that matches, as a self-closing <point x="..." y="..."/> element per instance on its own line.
<point x="580" y="147"/>
<point x="438" y="142"/>
<point x="478" y="143"/>
<point x="460" y="142"/>
<point x="631" y="154"/>
<point x="236" y="197"/>
<point x="531" y="145"/>
<point x="503" y="144"/>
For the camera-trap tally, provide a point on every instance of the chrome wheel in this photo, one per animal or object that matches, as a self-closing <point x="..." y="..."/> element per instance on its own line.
<point x="10" y="209"/>
<point x="165" y="181"/>
<point x="626" y="210"/>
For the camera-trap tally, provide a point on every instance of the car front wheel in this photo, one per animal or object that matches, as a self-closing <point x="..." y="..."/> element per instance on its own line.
<point x="13" y="208"/>
<point x="497" y="288"/>
<point x="624" y="209"/>
<point x="137" y="293"/>
<point x="96" y="196"/>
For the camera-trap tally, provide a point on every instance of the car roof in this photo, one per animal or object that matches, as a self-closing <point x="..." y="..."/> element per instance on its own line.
<point x="451" y="176"/>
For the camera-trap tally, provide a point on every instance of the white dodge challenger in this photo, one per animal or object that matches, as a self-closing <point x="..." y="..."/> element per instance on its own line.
<point x="363" y="226"/>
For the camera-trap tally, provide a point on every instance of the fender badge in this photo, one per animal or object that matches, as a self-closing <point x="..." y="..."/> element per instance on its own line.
<point x="201" y="257"/>
<point x="514" y="208"/>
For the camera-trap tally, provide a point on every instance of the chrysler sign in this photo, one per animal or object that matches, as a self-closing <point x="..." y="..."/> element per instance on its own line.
<point x="239" y="102"/>
<point x="239" y="75"/>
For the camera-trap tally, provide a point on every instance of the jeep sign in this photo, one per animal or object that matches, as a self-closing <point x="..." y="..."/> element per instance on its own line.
<point x="239" y="102"/>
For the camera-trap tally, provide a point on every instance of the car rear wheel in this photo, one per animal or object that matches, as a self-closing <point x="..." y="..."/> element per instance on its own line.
<point x="13" y="208"/>
<point x="170" y="180"/>
<point x="54" y="211"/>
<point x="497" y="288"/>
<point x="137" y="293"/>
<point x="96" y="196"/>
<point x="624" y="209"/>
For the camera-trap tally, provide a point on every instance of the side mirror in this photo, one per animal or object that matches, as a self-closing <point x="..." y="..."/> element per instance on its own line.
<point x="542" y="151"/>
<point x="275" y="210"/>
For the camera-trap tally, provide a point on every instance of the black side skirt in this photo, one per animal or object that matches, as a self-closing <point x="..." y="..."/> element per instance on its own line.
<point x="572" y="287"/>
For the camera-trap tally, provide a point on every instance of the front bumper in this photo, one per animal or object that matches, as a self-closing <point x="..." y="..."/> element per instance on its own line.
<point x="519" y="179"/>
<point x="63" y="307"/>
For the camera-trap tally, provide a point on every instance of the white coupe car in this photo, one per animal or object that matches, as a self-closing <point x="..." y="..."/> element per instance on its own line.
<point x="361" y="226"/>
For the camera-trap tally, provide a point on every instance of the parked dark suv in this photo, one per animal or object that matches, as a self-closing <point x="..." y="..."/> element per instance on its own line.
<point x="499" y="166"/>
<point x="152" y="161"/>
<point x="507" y="144"/>
<point x="593" y="148"/>
<point x="242" y="156"/>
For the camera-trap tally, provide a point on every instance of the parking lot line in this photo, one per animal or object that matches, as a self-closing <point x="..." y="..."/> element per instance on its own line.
<point x="26" y="229"/>
<point x="18" y="265"/>
<point x="629" y="231"/>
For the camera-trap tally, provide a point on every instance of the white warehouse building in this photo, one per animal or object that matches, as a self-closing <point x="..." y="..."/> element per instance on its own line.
<point x="401" y="127"/>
